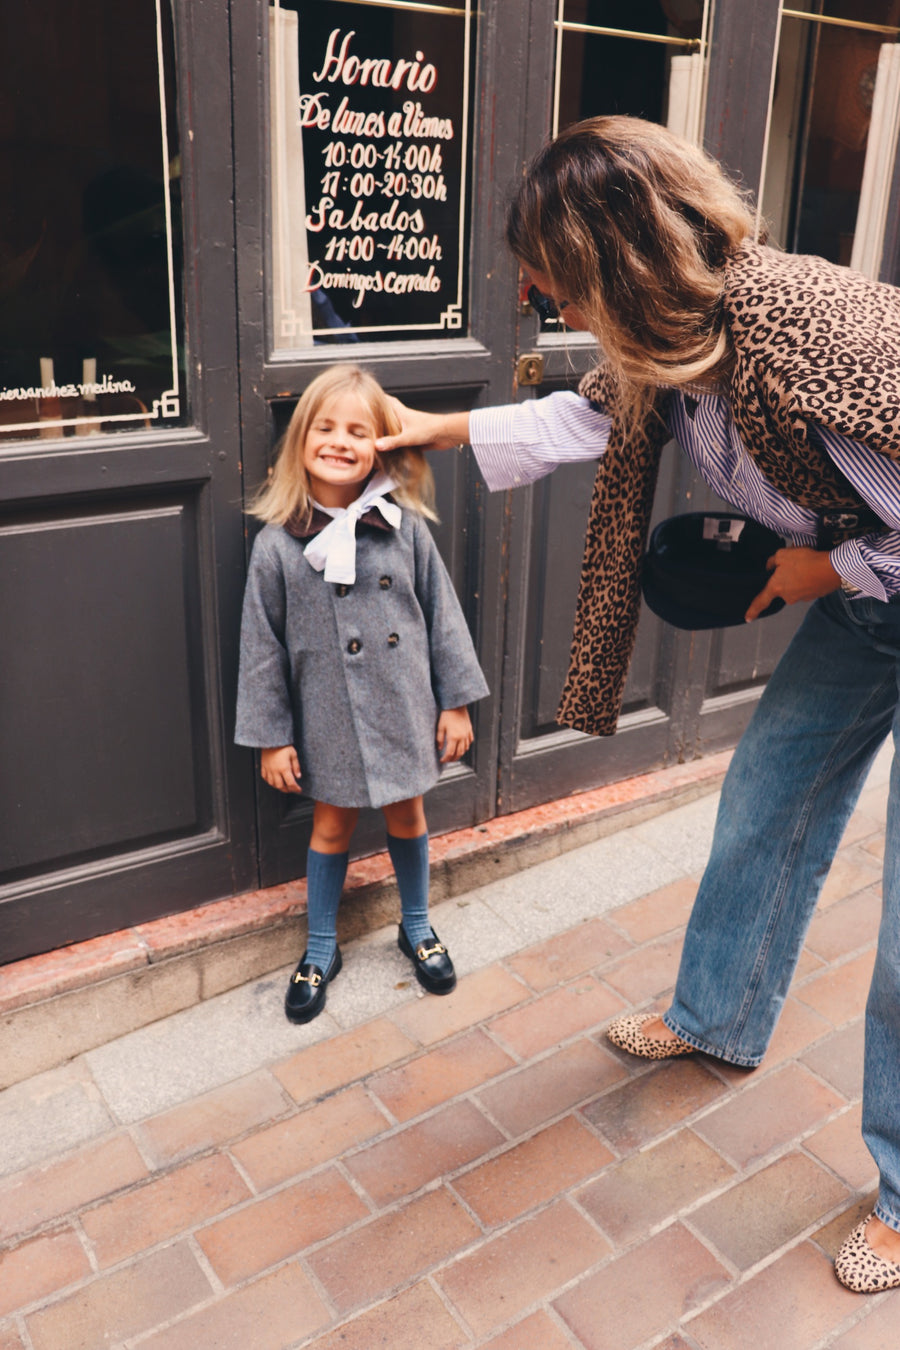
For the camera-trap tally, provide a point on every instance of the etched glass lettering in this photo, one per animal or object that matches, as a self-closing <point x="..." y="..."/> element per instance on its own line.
<point x="370" y="117"/>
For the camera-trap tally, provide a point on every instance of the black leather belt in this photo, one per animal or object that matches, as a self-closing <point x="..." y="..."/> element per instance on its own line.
<point x="833" y="527"/>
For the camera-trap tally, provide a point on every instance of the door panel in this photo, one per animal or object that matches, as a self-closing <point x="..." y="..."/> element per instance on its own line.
<point x="121" y="552"/>
<point x="120" y="646"/>
<point x="617" y="58"/>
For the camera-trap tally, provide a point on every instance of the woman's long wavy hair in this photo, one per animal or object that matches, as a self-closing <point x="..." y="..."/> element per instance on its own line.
<point x="634" y="225"/>
<point x="286" y="493"/>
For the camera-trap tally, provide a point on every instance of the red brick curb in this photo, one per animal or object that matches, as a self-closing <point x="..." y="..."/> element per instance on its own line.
<point x="85" y="963"/>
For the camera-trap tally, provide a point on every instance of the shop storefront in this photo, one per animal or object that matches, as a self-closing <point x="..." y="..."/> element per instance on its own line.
<point x="209" y="202"/>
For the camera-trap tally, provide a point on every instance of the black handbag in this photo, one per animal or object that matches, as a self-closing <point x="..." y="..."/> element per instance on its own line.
<point x="703" y="569"/>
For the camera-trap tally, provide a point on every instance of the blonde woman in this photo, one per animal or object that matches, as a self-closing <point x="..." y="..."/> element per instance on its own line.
<point x="356" y="663"/>
<point x="779" y="377"/>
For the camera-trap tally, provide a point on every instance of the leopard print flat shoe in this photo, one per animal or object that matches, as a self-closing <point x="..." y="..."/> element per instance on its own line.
<point x="861" y="1269"/>
<point x="626" y="1032"/>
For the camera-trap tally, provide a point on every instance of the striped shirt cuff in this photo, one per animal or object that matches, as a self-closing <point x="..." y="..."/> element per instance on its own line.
<point x="519" y="443"/>
<point x="855" y="561"/>
<point x="492" y="437"/>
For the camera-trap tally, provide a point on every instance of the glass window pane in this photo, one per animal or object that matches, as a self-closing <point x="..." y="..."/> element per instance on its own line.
<point x="370" y="117"/>
<point x="91" y="337"/>
<point x="820" y="126"/>
<point x="855" y="11"/>
<point x="627" y="70"/>
<point x="602" y="74"/>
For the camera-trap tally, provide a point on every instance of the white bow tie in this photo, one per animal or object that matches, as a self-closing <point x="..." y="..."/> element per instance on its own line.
<point x="334" y="548"/>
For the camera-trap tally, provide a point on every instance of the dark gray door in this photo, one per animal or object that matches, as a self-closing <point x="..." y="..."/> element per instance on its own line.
<point x="120" y="536"/>
<point x="591" y="58"/>
<point x="451" y="161"/>
<point x="754" y="84"/>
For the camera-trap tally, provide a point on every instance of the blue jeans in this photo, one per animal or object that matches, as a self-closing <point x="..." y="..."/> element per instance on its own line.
<point x="791" y="788"/>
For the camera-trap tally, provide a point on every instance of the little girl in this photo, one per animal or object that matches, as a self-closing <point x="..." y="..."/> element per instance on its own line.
<point x="356" y="663"/>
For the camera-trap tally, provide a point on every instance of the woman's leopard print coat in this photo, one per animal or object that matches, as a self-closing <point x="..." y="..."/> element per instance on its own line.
<point x="813" y="343"/>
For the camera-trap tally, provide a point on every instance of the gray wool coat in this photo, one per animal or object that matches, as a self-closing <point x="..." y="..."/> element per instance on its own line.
<point x="354" y="676"/>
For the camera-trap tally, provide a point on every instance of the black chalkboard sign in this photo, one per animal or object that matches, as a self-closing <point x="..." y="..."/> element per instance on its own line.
<point x="372" y="107"/>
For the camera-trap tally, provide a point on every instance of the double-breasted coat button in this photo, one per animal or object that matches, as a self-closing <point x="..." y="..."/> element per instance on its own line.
<point x="385" y="583"/>
<point x="393" y="639"/>
<point x="342" y="590"/>
<point x="353" y="646"/>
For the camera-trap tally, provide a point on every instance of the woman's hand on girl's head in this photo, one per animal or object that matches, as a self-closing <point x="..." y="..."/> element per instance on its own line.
<point x="425" y="431"/>
<point x="281" y="768"/>
<point x="454" y="734"/>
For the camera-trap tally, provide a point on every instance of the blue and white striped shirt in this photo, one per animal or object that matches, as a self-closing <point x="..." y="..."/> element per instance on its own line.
<point x="521" y="442"/>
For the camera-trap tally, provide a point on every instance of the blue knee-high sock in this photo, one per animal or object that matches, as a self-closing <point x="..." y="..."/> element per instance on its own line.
<point x="410" y="859"/>
<point x="325" y="874"/>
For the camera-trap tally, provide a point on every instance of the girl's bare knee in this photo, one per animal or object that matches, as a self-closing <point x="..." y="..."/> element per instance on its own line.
<point x="333" y="827"/>
<point x="406" y="819"/>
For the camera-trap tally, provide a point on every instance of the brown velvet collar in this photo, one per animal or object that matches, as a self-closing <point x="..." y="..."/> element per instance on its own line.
<point x="305" y="526"/>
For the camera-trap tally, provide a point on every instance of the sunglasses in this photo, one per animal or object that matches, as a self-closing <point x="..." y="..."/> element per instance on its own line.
<point x="545" y="308"/>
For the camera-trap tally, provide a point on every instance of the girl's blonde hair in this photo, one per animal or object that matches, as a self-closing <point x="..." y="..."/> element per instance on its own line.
<point x="634" y="225"/>
<point x="286" y="493"/>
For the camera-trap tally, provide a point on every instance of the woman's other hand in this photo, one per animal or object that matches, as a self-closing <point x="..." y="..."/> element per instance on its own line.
<point x="426" y="431"/>
<point x="797" y="574"/>
<point x="281" y="768"/>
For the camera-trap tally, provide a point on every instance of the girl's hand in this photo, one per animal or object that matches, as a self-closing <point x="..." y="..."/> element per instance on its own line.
<point x="454" y="733"/>
<point x="281" y="768"/>
<point x="425" y="431"/>
<point x="797" y="574"/>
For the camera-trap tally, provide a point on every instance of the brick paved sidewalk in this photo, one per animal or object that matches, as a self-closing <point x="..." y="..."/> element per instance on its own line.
<point x="485" y="1170"/>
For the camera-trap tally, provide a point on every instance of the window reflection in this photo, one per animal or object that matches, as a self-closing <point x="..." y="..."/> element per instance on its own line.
<point x="643" y="58"/>
<point x="605" y="73"/>
<point x="90" y="256"/>
<point x="822" y="131"/>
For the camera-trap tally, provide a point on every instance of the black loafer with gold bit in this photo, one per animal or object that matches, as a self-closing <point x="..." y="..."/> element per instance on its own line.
<point x="305" y="997"/>
<point x="431" y="961"/>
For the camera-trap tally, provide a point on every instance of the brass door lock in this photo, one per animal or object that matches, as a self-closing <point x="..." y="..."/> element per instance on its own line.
<point x="530" y="369"/>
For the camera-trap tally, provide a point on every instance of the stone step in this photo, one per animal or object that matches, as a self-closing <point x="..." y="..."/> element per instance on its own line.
<point x="62" y="1003"/>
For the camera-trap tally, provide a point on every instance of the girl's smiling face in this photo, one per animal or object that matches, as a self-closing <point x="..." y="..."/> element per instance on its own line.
<point x="339" y="451"/>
